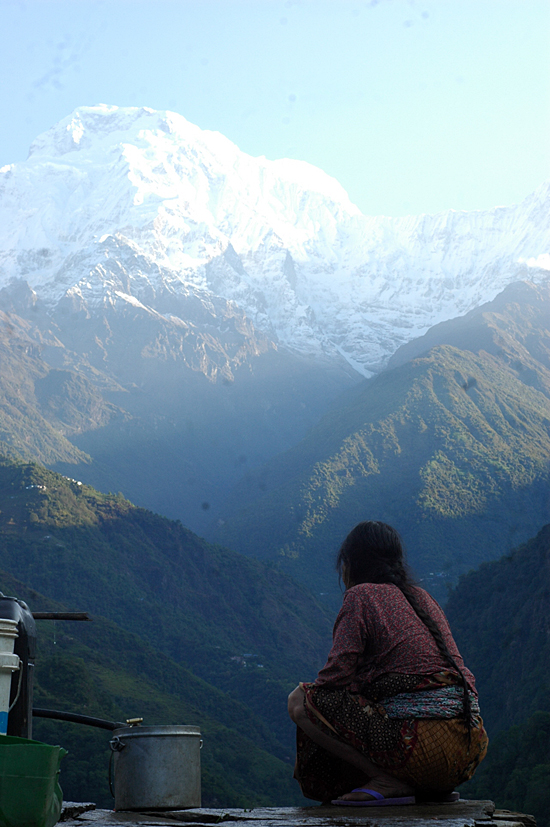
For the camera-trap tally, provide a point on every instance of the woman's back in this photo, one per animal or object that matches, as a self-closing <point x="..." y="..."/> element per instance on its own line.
<point x="378" y="632"/>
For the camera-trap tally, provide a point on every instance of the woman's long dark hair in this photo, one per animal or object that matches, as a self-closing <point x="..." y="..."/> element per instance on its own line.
<point x="373" y="553"/>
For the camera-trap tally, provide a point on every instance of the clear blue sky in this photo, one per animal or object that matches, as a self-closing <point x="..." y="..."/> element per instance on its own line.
<point x="413" y="105"/>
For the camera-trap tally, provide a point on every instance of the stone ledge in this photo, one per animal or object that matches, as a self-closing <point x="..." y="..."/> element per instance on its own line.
<point x="73" y="809"/>
<point x="462" y="813"/>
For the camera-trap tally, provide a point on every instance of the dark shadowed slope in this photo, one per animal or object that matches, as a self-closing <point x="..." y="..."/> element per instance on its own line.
<point x="201" y="605"/>
<point x="500" y="616"/>
<point x="98" y="669"/>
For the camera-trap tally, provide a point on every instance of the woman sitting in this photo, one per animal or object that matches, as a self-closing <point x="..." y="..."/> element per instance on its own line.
<point x="393" y="715"/>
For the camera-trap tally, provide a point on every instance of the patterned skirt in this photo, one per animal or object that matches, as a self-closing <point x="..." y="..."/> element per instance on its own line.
<point x="431" y="754"/>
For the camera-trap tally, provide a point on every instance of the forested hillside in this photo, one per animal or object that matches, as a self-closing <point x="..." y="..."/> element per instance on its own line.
<point x="241" y="625"/>
<point x="500" y="616"/>
<point x="452" y="447"/>
<point x="99" y="669"/>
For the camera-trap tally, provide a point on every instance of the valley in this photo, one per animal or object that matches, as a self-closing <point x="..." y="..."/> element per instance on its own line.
<point x="211" y="367"/>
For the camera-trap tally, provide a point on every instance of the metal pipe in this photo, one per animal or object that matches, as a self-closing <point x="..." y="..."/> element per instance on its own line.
<point x="61" y="616"/>
<point x="75" y="718"/>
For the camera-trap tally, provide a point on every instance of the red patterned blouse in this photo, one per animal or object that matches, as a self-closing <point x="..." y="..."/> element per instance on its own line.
<point x="378" y="632"/>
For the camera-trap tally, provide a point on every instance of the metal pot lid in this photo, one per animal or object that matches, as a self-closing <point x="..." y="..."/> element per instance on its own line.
<point x="156" y="731"/>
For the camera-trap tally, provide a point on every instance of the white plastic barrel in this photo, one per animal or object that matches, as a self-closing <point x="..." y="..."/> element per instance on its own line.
<point x="157" y="768"/>
<point x="9" y="663"/>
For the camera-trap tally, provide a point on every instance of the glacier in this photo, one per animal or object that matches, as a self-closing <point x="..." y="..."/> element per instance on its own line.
<point x="134" y="205"/>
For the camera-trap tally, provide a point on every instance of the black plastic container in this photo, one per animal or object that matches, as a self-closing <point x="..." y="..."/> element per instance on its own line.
<point x="20" y="717"/>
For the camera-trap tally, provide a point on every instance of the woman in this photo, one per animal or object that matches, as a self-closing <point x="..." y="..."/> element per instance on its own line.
<point x="393" y="715"/>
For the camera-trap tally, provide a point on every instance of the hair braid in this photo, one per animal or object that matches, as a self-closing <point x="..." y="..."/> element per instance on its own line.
<point x="435" y="632"/>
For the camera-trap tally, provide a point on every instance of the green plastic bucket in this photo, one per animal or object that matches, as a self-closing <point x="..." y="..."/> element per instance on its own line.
<point x="30" y="795"/>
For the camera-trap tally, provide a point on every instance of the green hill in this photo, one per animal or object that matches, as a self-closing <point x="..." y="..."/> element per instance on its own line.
<point x="451" y="447"/>
<point x="98" y="669"/>
<point x="241" y="625"/>
<point x="500" y="616"/>
<point x="516" y="772"/>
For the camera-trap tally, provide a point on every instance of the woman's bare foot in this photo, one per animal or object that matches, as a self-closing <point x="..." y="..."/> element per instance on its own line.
<point x="384" y="784"/>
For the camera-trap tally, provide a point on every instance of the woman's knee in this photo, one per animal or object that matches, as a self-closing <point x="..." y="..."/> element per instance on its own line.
<point x="296" y="704"/>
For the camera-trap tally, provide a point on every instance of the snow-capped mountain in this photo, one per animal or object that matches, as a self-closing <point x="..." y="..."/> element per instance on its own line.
<point x="125" y="205"/>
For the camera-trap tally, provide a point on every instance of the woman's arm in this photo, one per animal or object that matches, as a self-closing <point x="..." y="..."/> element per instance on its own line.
<point x="349" y="641"/>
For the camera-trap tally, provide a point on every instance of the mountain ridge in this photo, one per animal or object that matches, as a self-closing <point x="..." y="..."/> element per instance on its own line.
<point x="189" y="212"/>
<point x="452" y="447"/>
<point x="117" y="399"/>
<point x="174" y="342"/>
